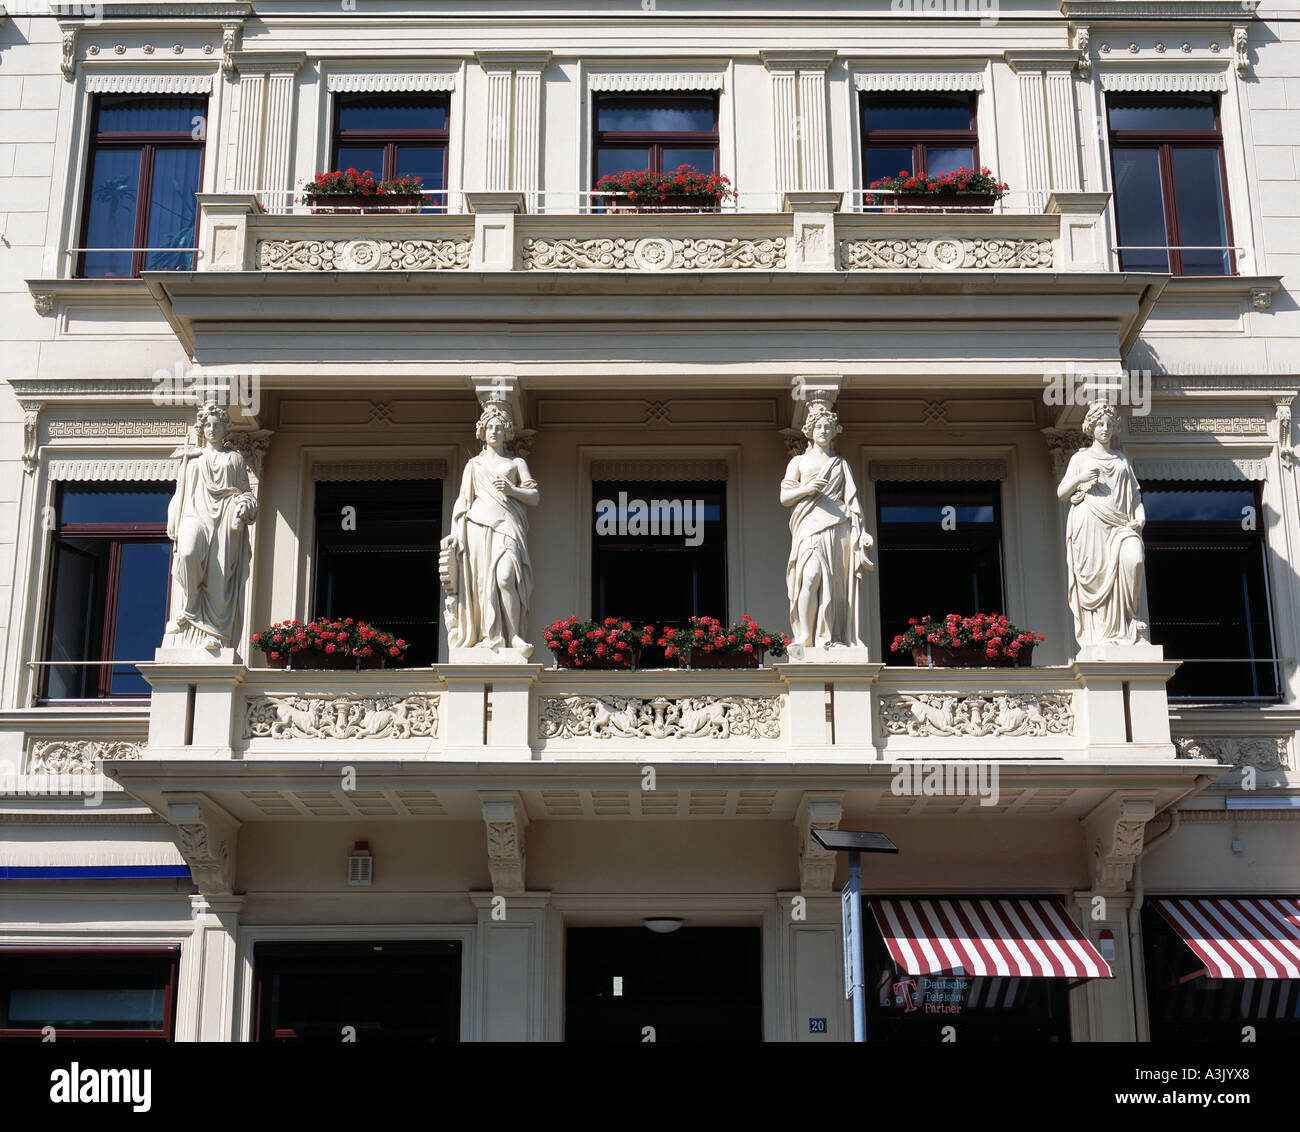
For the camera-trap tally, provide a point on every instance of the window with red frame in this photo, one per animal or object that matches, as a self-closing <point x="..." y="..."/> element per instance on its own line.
<point x="659" y="132"/>
<point x="109" y="588"/>
<point x="922" y="132"/>
<point x="146" y="165"/>
<point x="91" y="993"/>
<point x="395" y="135"/>
<point x="1171" y="188"/>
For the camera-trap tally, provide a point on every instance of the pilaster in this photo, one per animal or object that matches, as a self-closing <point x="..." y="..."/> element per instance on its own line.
<point x="799" y="117"/>
<point x="512" y="965"/>
<point x="264" y="149"/>
<point x="209" y="978"/>
<point x="514" y="125"/>
<point x="1048" y="122"/>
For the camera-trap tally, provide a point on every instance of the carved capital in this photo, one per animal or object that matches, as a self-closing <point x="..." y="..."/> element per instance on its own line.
<point x="31" y="434"/>
<point x="68" y="63"/>
<point x="818" y="809"/>
<point x="1241" y="49"/>
<point x="252" y="445"/>
<point x="231" y="34"/>
<point x="206" y="836"/>
<point x="1115" y="832"/>
<point x="1282" y="415"/>
<point x="505" y="819"/>
<point x="1084" y="64"/>
<point x="1062" y="443"/>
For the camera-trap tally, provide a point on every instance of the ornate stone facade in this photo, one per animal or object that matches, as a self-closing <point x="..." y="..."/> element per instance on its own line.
<point x="1263" y="752"/>
<point x="76" y="756"/>
<point x="940" y="715"/>
<point x="363" y="255"/>
<point x="660" y="717"/>
<point x="944" y="254"/>
<point x="654" y="253"/>
<point x="341" y="717"/>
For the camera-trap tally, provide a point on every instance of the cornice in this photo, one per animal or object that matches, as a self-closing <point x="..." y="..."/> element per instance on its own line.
<point x="499" y="59"/>
<point x="1137" y="11"/>
<point x="797" y="60"/>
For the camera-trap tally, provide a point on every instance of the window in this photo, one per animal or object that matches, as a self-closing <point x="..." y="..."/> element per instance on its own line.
<point x="659" y="560"/>
<point x="395" y="135"/>
<point x="109" y="588"/>
<point x="659" y="132"/>
<point x="940" y="552"/>
<point x="377" y="558"/>
<point x="917" y="133"/>
<point x="384" y="990"/>
<point x="1208" y="539"/>
<point x="87" y="993"/>
<point x="1171" y="187"/>
<point x="146" y="166"/>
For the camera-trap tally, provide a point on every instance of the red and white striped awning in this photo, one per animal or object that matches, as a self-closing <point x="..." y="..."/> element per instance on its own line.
<point x="1017" y="937"/>
<point x="1255" y="938"/>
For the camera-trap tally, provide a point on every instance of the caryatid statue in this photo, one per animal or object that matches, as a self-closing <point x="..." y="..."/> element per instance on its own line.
<point x="1105" y="557"/>
<point x="208" y="522"/>
<point x="486" y="574"/>
<point x="828" y="539"/>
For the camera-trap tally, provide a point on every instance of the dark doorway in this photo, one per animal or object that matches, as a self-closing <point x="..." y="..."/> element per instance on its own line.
<point x="692" y="985"/>
<point x="375" y="991"/>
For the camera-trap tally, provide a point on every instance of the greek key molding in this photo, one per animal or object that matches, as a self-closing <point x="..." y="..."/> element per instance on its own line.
<point x="655" y="80"/>
<point x="379" y="82"/>
<point x="1236" y="470"/>
<point x="333" y="471"/>
<point x="117" y="426"/>
<point x="149" y="83"/>
<point x="660" y="717"/>
<point x="112" y="469"/>
<point x="1263" y="752"/>
<point x="913" y="471"/>
<point x="654" y="253"/>
<point x="347" y="716"/>
<point x="1009" y="714"/>
<point x="77" y="756"/>
<point x="1163" y="80"/>
<point x="1234" y="426"/>
<point x="944" y="253"/>
<point x="364" y="255"/>
<point x="919" y="80"/>
<point x="666" y="470"/>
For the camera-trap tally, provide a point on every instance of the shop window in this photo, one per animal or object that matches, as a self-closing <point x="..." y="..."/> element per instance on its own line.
<point x="1170" y="184"/>
<point x="88" y="993"/>
<point x="659" y="553"/>
<point x="659" y="132"/>
<point x="377" y="558"/>
<point x="109" y="588"/>
<point x="921" y="132"/>
<point x="395" y="135"/>
<point x="1207" y="587"/>
<point x="146" y="165"/>
<point x="940" y="552"/>
<point x="377" y="991"/>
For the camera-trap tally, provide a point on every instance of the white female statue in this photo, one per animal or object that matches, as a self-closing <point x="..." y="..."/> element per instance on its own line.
<point x="1103" y="537"/>
<point x="828" y="539"/>
<point x="208" y="520"/>
<point x="484" y="567"/>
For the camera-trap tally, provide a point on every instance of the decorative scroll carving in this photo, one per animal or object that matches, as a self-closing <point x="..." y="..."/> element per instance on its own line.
<point x="1261" y="298"/>
<point x="1236" y="426"/>
<point x="1117" y="832"/>
<point x="944" y="254"/>
<point x="206" y="836"/>
<point x="252" y="445"/>
<point x="1062" y="443"/>
<point x="1241" y="49"/>
<point x="31" y="435"/>
<point x="936" y="715"/>
<point x="230" y="37"/>
<point x="913" y="471"/>
<point x="68" y="62"/>
<point x="1263" y="752"/>
<point x="1084" y="64"/>
<point x="505" y="820"/>
<point x="76" y="756"/>
<point x="638" y="717"/>
<point x="363" y="255"/>
<point x="1282" y="415"/>
<point x="341" y="717"/>
<point x="818" y="809"/>
<point x="654" y="253"/>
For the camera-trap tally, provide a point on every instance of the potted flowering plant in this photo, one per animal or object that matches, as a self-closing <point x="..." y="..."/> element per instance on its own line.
<point x="963" y="189"/>
<point x="986" y="640"/>
<point x="350" y="191"/>
<point x="324" y="643"/>
<point x="645" y="191"/>
<point x="611" y="643"/>
<point x="706" y="642"/>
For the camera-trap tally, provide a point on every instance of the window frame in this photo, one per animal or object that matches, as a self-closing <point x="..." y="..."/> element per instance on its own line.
<point x="149" y="143"/>
<point x="1165" y="142"/>
<point x="655" y="141"/>
<point x="391" y="140"/>
<point x="918" y="140"/>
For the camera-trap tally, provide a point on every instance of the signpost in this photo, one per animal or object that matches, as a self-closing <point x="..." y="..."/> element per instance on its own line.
<point x="855" y="844"/>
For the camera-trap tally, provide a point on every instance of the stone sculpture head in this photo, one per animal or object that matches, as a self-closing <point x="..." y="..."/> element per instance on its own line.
<point x="1101" y="418"/>
<point x="495" y="421"/>
<point x="213" y="421"/>
<point x="822" y="425"/>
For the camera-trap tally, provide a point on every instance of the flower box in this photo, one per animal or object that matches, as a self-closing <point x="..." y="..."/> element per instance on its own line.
<point x="597" y="644"/>
<point x="615" y="205"/>
<point x="326" y="203"/>
<point x="940" y="202"/>
<point x="714" y="658"/>
<point x="705" y="642"/>
<point x="600" y="663"/>
<point x="955" y="641"/>
<point x="936" y="656"/>
<point x="323" y="643"/>
<point x="313" y="658"/>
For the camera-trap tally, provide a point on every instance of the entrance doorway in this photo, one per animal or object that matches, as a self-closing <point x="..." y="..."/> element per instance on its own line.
<point x="692" y="985"/>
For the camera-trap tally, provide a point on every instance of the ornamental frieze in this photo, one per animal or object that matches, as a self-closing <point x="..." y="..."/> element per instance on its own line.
<point x="660" y="717"/>
<point x="341" y="717"/>
<point x="1235" y="426"/>
<point x="1013" y="714"/>
<point x="76" y="756"/>
<point x="944" y="254"/>
<point x="363" y="255"/>
<point x="1263" y="752"/>
<point x="654" y="253"/>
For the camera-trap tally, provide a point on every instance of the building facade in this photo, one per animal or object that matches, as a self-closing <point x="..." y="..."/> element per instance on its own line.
<point x="201" y="842"/>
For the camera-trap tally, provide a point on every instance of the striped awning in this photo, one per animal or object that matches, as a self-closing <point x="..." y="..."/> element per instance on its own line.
<point x="1017" y="937"/>
<point x="1255" y="938"/>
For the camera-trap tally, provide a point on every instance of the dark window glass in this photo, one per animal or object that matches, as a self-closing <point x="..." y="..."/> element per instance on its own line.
<point x="940" y="551"/>
<point x="145" y="168"/>
<point x="916" y="112"/>
<point x="1185" y="1005"/>
<point x="386" y="991"/>
<point x="377" y="558"/>
<point x="391" y="113"/>
<point x="1170" y="192"/>
<point x="395" y="135"/>
<point x="109" y="588"/>
<point x="87" y="995"/>
<point x="663" y="564"/>
<point x="659" y="132"/>
<point x="1205" y="538"/>
<point x="917" y="133"/>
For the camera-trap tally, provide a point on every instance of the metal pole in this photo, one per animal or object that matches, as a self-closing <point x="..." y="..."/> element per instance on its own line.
<point x="855" y="915"/>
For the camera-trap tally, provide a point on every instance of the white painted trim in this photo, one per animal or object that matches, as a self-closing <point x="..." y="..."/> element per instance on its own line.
<point x="149" y="83"/>
<point x="95" y="469"/>
<point x="1163" y="80"/>
<point x="383" y="82"/>
<point x="914" y="471"/>
<point x="972" y="79"/>
<point x="1237" y="469"/>
<point x="334" y="471"/>
<point x="655" y="80"/>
